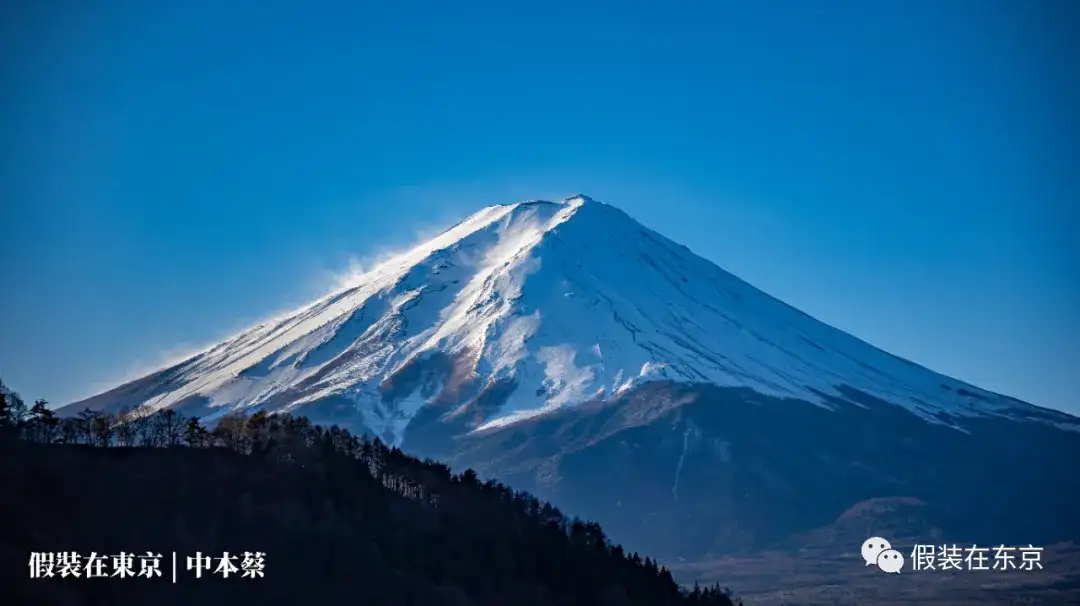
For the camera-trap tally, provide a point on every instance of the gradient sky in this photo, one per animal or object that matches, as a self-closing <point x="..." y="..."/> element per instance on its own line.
<point x="173" y="171"/>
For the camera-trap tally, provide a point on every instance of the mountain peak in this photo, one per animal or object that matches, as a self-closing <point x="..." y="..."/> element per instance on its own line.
<point x="578" y="198"/>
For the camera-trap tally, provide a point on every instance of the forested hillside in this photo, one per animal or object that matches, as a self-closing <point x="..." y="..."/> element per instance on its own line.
<point x="334" y="517"/>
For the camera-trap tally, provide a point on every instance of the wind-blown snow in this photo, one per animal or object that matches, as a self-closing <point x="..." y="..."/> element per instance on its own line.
<point x="569" y="301"/>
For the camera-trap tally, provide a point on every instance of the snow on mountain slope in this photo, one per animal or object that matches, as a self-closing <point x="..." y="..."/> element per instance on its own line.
<point x="543" y="305"/>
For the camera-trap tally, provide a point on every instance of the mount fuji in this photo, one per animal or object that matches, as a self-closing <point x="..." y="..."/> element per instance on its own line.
<point x="525" y="308"/>
<point x="566" y="348"/>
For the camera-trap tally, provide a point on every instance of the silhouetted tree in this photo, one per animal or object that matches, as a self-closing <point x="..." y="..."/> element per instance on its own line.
<point x="101" y="429"/>
<point x="13" y="414"/>
<point x="69" y="430"/>
<point x="144" y="428"/>
<point x="10" y="420"/>
<point x="42" y="424"/>
<point x="83" y="424"/>
<point x="194" y="433"/>
<point x="229" y="432"/>
<point x="126" y="428"/>
<point x="169" y="427"/>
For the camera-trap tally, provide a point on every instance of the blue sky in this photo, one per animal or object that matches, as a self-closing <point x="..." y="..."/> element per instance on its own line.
<point x="173" y="171"/>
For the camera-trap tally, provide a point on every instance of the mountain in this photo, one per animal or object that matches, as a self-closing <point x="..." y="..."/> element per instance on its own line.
<point x="525" y="308"/>
<point x="569" y="350"/>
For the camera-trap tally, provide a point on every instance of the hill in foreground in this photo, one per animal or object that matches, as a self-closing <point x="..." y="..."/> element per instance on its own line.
<point x="335" y="518"/>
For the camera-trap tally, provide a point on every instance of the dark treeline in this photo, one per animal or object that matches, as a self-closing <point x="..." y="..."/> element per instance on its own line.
<point x="338" y="516"/>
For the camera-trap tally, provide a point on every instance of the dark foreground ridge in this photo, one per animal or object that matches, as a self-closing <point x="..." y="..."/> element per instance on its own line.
<point x="338" y="517"/>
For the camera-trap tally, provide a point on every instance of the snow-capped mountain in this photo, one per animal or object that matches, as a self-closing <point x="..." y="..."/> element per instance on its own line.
<point x="524" y="308"/>
<point x="569" y="351"/>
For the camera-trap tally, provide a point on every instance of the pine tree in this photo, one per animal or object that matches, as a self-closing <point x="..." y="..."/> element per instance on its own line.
<point x="8" y="425"/>
<point x="194" y="433"/>
<point x="12" y="412"/>
<point x="101" y="428"/>
<point x="43" y="422"/>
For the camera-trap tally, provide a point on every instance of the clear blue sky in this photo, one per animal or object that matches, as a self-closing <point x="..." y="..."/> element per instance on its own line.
<point x="906" y="171"/>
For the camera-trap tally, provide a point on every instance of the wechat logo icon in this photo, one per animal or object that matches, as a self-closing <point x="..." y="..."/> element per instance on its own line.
<point x="879" y="552"/>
